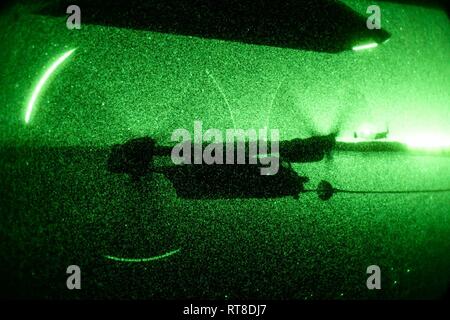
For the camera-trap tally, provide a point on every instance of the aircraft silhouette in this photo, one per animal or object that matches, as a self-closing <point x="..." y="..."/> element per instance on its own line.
<point x="227" y="181"/>
<point x="222" y="181"/>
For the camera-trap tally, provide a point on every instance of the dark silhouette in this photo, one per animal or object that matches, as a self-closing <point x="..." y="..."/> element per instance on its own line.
<point x="134" y="157"/>
<point x="316" y="25"/>
<point x="311" y="149"/>
<point x="233" y="181"/>
<point x="325" y="190"/>
<point x="225" y="181"/>
<point x="197" y="181"/>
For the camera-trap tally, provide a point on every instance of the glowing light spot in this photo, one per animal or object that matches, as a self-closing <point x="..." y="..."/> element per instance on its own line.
<point x="366" y="129"/>
<point x="365" y="46"/>
<point x="159" y="257"/>
<point x="427" y="141"/>
<point x="417" y="142"/>
<point x="42" y="82"/>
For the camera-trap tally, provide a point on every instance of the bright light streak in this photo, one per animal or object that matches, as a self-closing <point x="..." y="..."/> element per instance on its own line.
<point x="427" y="141"/>
<point x="424" y="142"/>
<point x="365" y="46"/>
<point x="42" y="82"/>
<point x="162" y="256"/>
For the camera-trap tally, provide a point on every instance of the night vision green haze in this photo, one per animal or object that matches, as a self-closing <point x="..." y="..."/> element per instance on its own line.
<point x="87" y="124"/>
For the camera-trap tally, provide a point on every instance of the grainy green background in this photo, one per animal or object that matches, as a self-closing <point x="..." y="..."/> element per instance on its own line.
<point x="61" y="206"/>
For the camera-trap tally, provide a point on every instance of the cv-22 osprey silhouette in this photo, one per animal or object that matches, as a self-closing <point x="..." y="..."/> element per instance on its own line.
<point x="226" y="181"/>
